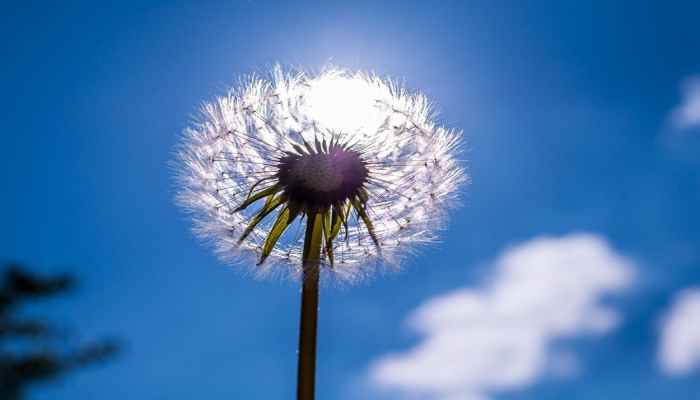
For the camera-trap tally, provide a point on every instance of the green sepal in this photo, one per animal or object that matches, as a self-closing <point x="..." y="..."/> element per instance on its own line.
<point x="339" y="218"/>
<point x="252" y="198"/>
<point x="343" y="212"/>
<point x="286" y="217"/>
<point x="270" y="205"/>
<point x="363" y="195"/>
<point x="336" y="221"/>
<point x="268" y="200"/>
<point x="328" y="237"/>
<point x="360" y="208"/>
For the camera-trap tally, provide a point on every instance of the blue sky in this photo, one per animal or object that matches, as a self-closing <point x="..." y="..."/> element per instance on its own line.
<point x="574" y="115"/>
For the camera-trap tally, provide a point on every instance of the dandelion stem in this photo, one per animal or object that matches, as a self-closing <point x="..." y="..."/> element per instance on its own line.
<point x="306" y="381"/>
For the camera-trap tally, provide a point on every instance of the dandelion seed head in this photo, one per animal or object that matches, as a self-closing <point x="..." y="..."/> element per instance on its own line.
<point x="360" y="151"/>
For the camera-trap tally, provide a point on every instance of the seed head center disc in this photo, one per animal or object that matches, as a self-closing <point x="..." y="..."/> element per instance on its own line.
<point x="317" y="172"/>
<point x="322" y="179"/>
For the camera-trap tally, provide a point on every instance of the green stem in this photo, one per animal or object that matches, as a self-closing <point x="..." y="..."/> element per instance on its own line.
<point x="306" y="382"/>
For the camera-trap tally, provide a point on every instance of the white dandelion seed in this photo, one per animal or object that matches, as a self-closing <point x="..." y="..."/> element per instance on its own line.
<point x="360" y="153"/>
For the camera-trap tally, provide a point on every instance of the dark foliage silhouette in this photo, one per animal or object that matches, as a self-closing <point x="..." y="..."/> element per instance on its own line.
<point x="33" y="350"/>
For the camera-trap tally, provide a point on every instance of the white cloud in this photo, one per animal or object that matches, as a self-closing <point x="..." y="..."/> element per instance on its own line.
<point x="687" y="114"/>
<point x="478" y="341"/>
<point x="679" y="349"/>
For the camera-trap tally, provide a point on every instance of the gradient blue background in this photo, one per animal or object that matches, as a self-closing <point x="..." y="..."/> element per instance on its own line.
<point x="563" y="106"/>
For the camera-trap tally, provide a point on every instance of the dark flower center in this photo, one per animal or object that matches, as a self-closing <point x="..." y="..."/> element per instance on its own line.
<point x="321" y="178"/>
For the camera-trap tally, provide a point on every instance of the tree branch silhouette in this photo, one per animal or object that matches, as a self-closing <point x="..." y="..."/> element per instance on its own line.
<point x="32" y="350"/>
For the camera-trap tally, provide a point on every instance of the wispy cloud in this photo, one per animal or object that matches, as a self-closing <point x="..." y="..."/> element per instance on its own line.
<point x="687" y="114"/>
<point x="482" y="340"/>
<point x="679" y="349"/>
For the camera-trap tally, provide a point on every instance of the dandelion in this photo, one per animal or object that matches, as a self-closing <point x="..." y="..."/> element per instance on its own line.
<point x="335" y="176"/>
